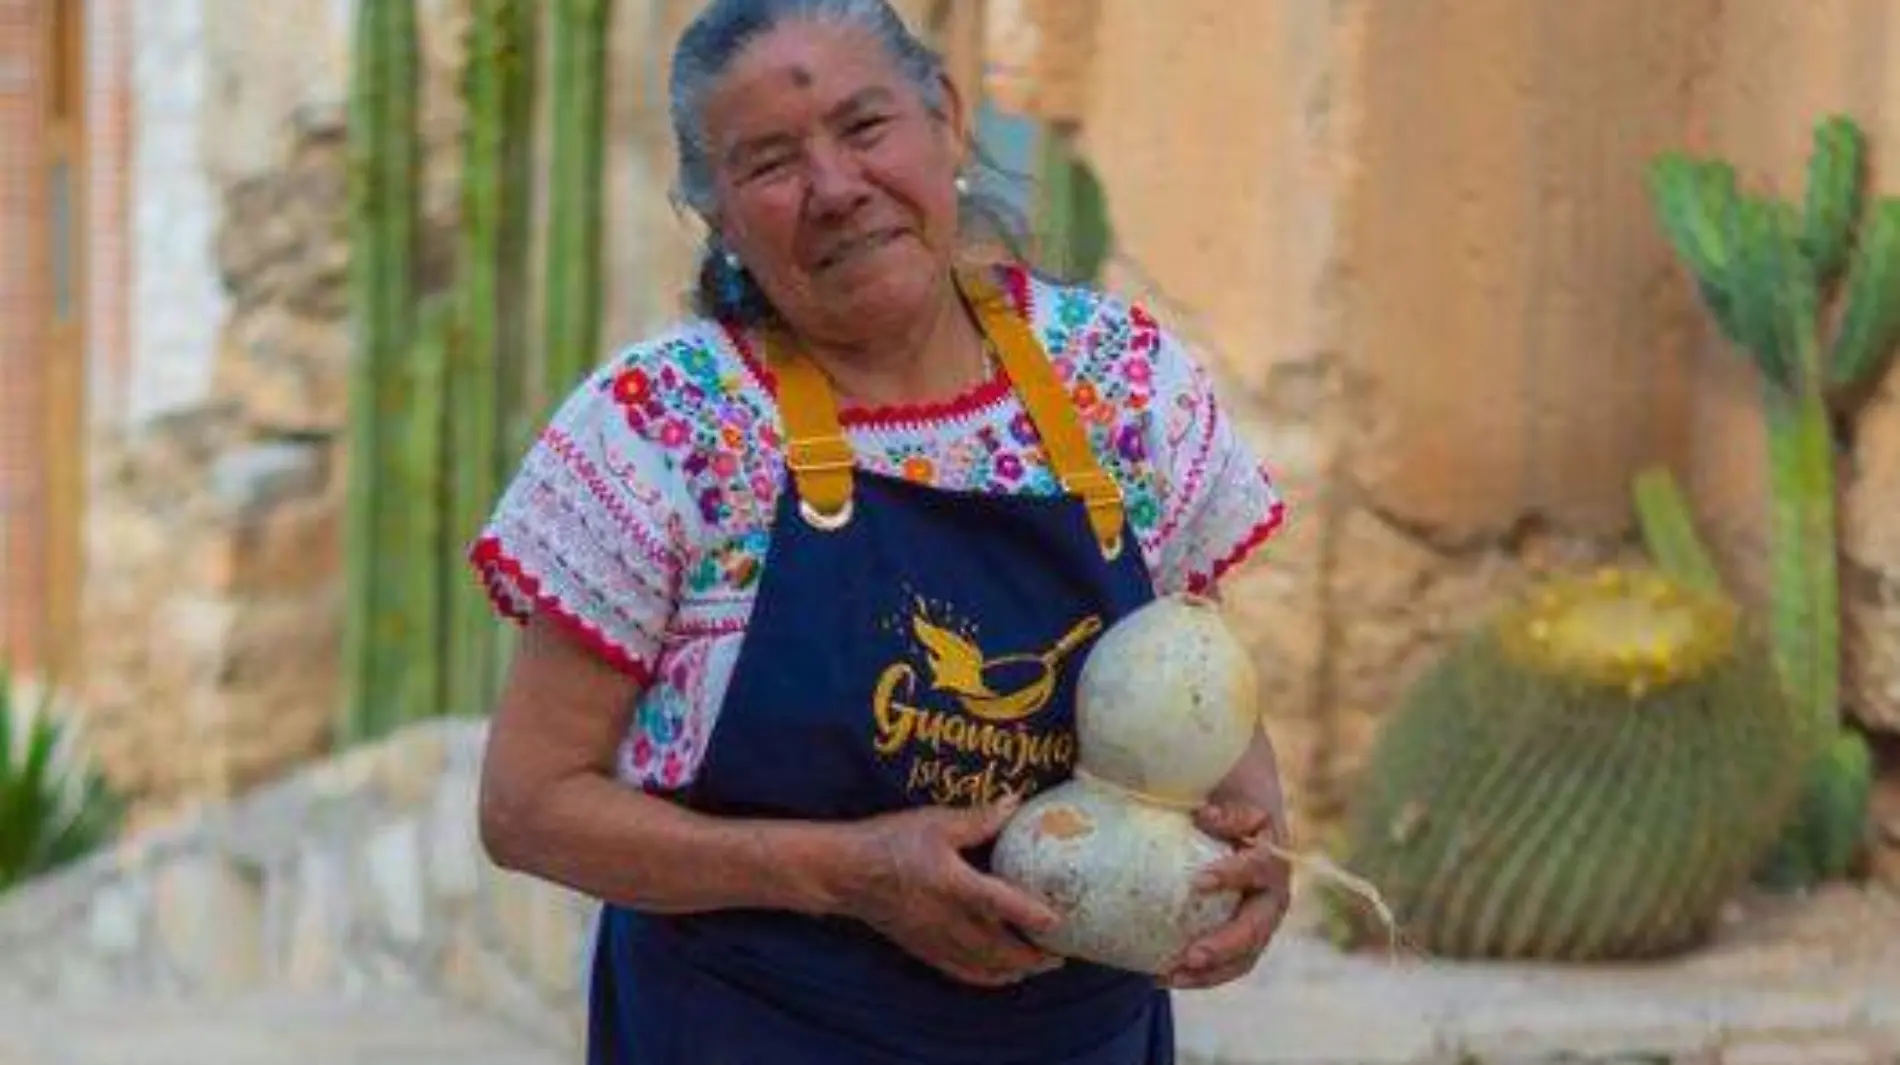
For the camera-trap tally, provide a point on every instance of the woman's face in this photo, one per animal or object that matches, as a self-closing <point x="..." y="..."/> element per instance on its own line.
<point x="835" y="185"/>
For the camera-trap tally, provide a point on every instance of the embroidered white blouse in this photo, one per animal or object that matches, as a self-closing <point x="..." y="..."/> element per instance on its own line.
<point x="641" y="517"/>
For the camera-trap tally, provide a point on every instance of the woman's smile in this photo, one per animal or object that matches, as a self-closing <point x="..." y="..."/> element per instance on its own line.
<point x="857" y="250"/>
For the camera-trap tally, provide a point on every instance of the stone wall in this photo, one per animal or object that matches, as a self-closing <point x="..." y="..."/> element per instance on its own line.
<point x="177" y="300"/>
<point x="362" y="875"/>
<point x="213" y="602"/>
<point x="214" y="573"/>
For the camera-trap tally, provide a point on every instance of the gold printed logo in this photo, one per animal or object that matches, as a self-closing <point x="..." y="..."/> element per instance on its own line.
<point x="965" y="722"/>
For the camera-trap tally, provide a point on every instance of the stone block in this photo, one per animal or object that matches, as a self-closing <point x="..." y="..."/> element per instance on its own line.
<point x="289" y="370"/>
<point x="115" y="921"/>
<point x="1815" y="1008"/>
<point x="392" y="860"/>
<point x="558" y="941"/>
<point x="251" y="479"/>
<point x="452" y="838"/>
<point x="208" y="920"/>
<point x="1871" y="552"/>
<point x="409" y="765"/>
<point x="320" y="921"/>
<point x="293" y="547"/>
<point x="1324" y="1024"/>
<point x="477" y="975"/>
<point x="1813" y="1050"/>
<point x="1625" y="1022"/>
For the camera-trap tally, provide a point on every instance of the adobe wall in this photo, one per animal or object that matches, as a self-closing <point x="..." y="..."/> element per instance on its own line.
<point x="1415" y="237"/>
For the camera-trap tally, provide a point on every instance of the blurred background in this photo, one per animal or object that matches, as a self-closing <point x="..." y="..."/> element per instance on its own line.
<point x="1429" y="246"/>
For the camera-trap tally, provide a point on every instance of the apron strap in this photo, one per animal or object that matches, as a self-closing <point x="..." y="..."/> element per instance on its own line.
<point x="815" y="447"/>
<point x="1049" y="407"/>
<point x="821" y="458"/>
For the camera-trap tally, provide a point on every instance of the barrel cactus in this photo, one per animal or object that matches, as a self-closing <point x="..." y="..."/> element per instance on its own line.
<point x="1587" y="776"/>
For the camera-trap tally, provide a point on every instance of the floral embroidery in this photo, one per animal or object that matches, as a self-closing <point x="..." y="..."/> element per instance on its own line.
<point x="643" y="516"/>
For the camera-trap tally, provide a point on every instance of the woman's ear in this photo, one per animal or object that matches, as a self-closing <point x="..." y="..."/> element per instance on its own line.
<point x="956" y="117"/>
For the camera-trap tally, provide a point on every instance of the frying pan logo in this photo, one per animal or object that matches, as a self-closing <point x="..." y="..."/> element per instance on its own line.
<point x="1007" y="688"/>
<point x="963" y="725"/>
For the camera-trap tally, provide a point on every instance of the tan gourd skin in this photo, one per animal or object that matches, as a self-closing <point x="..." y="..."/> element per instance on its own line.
<point x="1166" y="708"/>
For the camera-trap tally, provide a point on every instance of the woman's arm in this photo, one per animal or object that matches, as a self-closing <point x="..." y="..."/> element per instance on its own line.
<point x="551" y="808"/>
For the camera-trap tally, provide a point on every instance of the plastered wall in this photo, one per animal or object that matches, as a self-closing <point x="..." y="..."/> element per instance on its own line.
<point x="1416" y="240"/>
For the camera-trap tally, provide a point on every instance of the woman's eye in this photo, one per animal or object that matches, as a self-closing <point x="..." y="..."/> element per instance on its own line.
<point x="766" y="168"/>
<point x="864" y="126"/>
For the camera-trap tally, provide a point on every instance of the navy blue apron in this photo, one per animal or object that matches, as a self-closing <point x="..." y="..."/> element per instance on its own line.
<point x="909" y="645"/>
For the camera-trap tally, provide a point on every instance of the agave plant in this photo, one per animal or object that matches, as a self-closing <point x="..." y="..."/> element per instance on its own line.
<point x="54" y="807"/>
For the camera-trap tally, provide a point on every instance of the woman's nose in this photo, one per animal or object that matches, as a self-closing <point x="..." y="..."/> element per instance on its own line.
<point x="836" y="181"/>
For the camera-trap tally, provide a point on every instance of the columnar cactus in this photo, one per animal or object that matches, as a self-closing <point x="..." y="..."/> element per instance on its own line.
<point x="577" y="144"/>
<point x="448" y="384"/>
<point x="489" y="376"/>
<point x="385" y="158"/>
<point x="1770" y="273"/>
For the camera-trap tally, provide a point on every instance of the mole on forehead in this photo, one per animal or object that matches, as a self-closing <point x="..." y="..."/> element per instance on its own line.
<point x="800" y="77"/>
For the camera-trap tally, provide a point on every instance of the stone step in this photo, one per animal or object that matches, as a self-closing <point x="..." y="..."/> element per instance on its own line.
<point x="263" y="1029"/>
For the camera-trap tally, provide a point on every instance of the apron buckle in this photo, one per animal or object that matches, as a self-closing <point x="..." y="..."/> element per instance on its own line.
<point x="821" y="468"/>
<point x="836" y="519"/>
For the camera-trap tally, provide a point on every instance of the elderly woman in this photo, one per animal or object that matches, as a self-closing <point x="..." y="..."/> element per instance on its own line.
<point x="762" y="557"/>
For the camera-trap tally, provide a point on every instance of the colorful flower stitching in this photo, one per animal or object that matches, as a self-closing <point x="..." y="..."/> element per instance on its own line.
<point x="642" y="516"/>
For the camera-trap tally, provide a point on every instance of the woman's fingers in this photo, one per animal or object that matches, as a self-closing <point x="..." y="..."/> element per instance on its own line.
<point x="1232" y="949"/>
<point x="1235" y="823"/>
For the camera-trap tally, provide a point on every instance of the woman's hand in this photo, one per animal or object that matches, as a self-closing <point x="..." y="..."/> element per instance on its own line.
<point x="1263" y="880"/>
<point x="910" y="881"/>
<point x="1247" y="811"/>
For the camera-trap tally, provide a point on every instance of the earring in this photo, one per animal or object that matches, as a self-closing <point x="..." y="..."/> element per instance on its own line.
<point x="962" y="185"/>
<point x="732" y="280"/>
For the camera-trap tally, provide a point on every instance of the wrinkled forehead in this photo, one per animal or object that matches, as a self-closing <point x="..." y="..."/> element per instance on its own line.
<point x="795" y="76"/>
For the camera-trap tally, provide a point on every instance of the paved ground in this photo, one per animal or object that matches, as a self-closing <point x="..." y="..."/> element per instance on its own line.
<point x="1792" y="982"/>
<point x="258" y="1030"/>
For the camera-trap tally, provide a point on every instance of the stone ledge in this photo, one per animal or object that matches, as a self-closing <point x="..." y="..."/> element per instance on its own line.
<point x="359" y="876"/>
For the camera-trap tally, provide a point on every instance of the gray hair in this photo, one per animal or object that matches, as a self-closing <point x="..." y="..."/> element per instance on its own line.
<point x="725" y="289"/>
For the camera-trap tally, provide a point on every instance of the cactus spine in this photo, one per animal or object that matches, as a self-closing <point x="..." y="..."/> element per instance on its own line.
<point x="1768" y="273"/>
<point x="445" y="383"/>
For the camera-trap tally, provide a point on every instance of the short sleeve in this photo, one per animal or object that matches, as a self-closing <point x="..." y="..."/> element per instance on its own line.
<point x="587" y="533"/>
<point x="1220" y="503"/>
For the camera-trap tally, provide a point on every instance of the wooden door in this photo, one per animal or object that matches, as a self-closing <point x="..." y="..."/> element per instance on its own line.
<point x="64" y="351"/>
